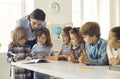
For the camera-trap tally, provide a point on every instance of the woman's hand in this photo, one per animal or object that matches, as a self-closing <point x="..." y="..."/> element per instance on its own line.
<point x="11" y="44"/>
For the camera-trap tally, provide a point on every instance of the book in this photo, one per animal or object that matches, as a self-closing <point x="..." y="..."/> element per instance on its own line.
<point x="36" y="61"/>
<point x="115" y="67"/>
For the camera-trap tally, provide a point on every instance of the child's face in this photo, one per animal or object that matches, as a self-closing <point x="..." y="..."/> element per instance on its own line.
<point x="112" y="40"/>
<point x="42" y="39"/>
<point x="89" y="39"/>
<point x="74" y="40"/>
<point x="22" y="41"/>
<point x="65" y="38"/>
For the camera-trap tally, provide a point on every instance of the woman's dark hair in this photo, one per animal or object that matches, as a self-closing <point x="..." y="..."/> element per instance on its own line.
<point x="38" y="14"/>
<point x="116" y="30"/>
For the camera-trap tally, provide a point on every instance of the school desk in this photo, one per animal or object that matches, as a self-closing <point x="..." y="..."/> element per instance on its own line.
<point x="68" y="70"/>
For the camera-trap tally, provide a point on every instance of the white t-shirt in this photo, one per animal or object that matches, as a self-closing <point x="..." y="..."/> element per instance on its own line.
<point x="112" y="53"/>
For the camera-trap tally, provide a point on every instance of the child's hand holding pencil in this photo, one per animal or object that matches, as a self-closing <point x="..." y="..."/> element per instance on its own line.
<point x="15" y="57"/>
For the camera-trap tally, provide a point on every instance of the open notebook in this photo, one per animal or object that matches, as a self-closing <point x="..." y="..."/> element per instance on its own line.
<point x="36" y="61"/>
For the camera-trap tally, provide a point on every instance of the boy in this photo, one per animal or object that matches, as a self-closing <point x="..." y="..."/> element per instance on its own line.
<point x="94" y="45"/>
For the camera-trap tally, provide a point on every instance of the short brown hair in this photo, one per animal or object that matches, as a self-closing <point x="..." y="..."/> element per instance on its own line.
<point x="18" y="34"/>
<point x="47" y="34"/>
<point x="90" y="28"/>
<point x="116" y="30"/>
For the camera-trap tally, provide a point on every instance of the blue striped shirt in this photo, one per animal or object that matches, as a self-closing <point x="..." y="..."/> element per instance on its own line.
<point x="97" y="53"/>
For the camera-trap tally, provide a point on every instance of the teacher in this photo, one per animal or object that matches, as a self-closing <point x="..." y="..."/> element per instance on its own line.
<point x="32" y="22"/>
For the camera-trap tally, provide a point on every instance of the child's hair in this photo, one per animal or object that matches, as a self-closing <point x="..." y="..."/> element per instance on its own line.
<point x="19" y="33"/>
<point x="116" y="30"/>
<point x="90" y="28"/>
<point x="47" y="34"/>
<point x="67" y="31"/>
<point x="75" y="31"/>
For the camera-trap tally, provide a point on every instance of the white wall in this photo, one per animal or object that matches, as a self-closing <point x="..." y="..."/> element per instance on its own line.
<point x="114" y="13"/>
<point x="28" y="6"/>
<point x="4" y="67"/>
<point x="64" y="15"/>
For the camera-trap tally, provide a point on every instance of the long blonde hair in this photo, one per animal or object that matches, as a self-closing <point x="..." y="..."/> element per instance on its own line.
<point x="18" y="34"/>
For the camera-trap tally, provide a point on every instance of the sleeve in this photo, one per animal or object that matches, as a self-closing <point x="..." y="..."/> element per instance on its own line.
<point x="52" y="53"/>
<point x="10" y="56"/>
<point x="19" y="22"/>
<point x="103" y="59"/>
<point x="34" y="53"/>
<point x="109" y="52"/>
<point x="61" y="52"/>
<point x="28" y="50"/>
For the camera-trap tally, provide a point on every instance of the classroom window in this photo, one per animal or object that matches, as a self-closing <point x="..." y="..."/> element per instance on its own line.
<point x="92" y="10"/>
<point x="11" y="11"/>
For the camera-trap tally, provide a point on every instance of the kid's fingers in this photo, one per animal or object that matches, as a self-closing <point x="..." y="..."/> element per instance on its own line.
<point x="84" y="53"/>
<point x="69" y="58"/>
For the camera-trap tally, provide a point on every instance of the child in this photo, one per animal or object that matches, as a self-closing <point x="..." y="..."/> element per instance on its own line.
<point x="66" y="46"/>
<point x="20" y="51"/>
<point x="77" y="45"/>
<point x="95" y="46"/>
<point x="113" y="49"/>
<point x="42" y="49"/>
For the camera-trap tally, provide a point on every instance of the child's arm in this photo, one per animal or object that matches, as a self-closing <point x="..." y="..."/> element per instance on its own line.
<point x="28" y="52"/>
<point x="28" y="58"/>
<point x="111" y="60"/>
<point x="52" y="52"/>
<point x="10" y="45"/>
<point x="61" y="56"/>
<point x="60" y="53"/>
<point x="71" y="58"/>
<point x="83" y="58"/>
<point x="11" y="56"/>
<point x="34" y="54"/>
<point x="114" y="61"/>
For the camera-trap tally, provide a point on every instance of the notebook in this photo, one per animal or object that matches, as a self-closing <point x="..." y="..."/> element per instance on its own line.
<point x="115" y="67"/>
<point x="36" y="61"/>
